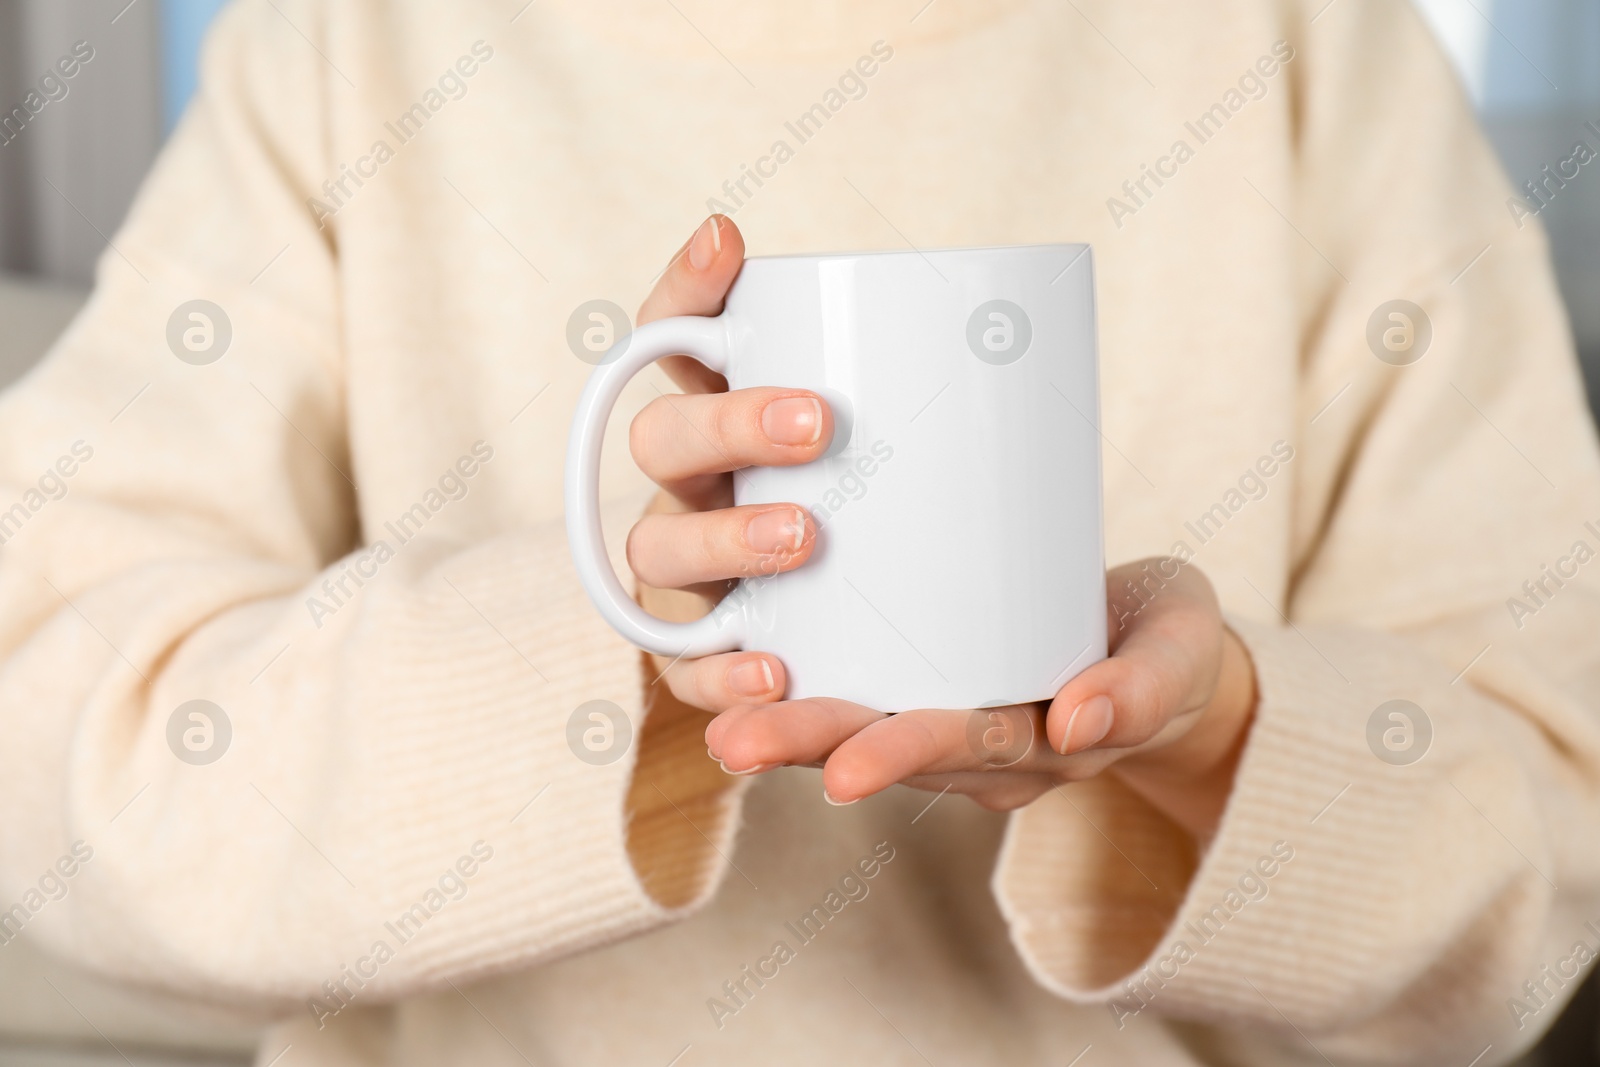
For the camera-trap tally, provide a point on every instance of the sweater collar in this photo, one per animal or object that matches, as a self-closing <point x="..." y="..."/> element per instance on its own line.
<point x="802" y="31"/>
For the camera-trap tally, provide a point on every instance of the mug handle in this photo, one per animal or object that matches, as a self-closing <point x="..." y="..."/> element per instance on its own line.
<point x="707" y="340"/>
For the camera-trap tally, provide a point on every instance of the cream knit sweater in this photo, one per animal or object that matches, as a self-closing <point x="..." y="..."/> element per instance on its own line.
<point x="398" y="205"/>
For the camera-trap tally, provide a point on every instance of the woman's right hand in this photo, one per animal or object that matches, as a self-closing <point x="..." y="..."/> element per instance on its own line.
<point x="692" y="541"/>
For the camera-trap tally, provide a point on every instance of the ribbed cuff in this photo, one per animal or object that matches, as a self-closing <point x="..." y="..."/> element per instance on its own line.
<point x="482" y="740"/>
<point x="1108" y="902"/>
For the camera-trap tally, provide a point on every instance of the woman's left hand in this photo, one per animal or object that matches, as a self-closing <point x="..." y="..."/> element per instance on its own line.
<point x="1167" y="712"/>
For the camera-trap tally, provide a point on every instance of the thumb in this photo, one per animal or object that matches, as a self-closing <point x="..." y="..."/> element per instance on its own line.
<point x="1164" y="662"/>
<point x="695" y="283"/>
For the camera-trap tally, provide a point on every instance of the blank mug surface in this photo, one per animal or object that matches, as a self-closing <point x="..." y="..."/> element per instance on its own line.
<point x="959" y="560"/>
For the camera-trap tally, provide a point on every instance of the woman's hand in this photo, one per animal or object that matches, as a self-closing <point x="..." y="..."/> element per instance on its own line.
<point x="692" y="540"/>
<point x="1168" y="712"/>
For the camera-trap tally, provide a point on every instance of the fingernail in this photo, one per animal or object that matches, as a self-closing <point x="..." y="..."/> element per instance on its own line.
<point x="794" y="420"/>
<point x="706" y="244"/>
<point x="1088" y="725"/>
<point x="836" y="803"/>
<point x="752" y="678"/>
<point x="776" y="531"/>
<point x="712" y="754"/>
<point x="757" y="769"/>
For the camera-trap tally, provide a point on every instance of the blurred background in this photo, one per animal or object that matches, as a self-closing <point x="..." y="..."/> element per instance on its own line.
<point x="68" y="174"/>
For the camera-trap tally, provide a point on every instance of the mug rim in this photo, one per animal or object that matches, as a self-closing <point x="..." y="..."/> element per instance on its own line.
<point x="1048" y="246"/>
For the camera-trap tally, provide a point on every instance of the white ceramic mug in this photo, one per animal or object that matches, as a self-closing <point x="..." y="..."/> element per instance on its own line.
<point x="959" y="559"/>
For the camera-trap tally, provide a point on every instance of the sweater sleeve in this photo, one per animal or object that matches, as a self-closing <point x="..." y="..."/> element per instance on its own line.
<point x="205" y="790"/>
<point x="1405" y="871"/>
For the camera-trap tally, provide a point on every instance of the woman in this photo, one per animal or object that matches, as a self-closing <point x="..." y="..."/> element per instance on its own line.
<point x="432" y="811"/>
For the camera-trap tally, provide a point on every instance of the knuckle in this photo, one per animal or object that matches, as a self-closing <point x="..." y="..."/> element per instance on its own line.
<point x="687" y="679"/>
<point x="675" y="677"/>
<point x="663" y="299"/>
<point x="1133" y="698"/>
<point x="703" y="692"/>
<point x="697" y="693"/>
<point x="676" y="287"/>
<point x="721" y="546"/>
<point x="687" y="682"/>
<point x="1143" y="730"/>
<point x="644" y="432"/>
<point x="633" y="550"/>
<point x="728" y="424"/>
<point x="1148" y="709"/>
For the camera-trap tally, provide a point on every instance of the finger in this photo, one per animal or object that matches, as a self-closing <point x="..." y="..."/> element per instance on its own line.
<point x="1164" y="665"/>
<point x="717" y="683"/>
<point x="993" y="743"/>
<point x="678" y="550"/>
<point x="695" y="283"/>
<point x="682" y="442"/>
<point x="794" y="732"/>
<point x="921" y="743"/>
